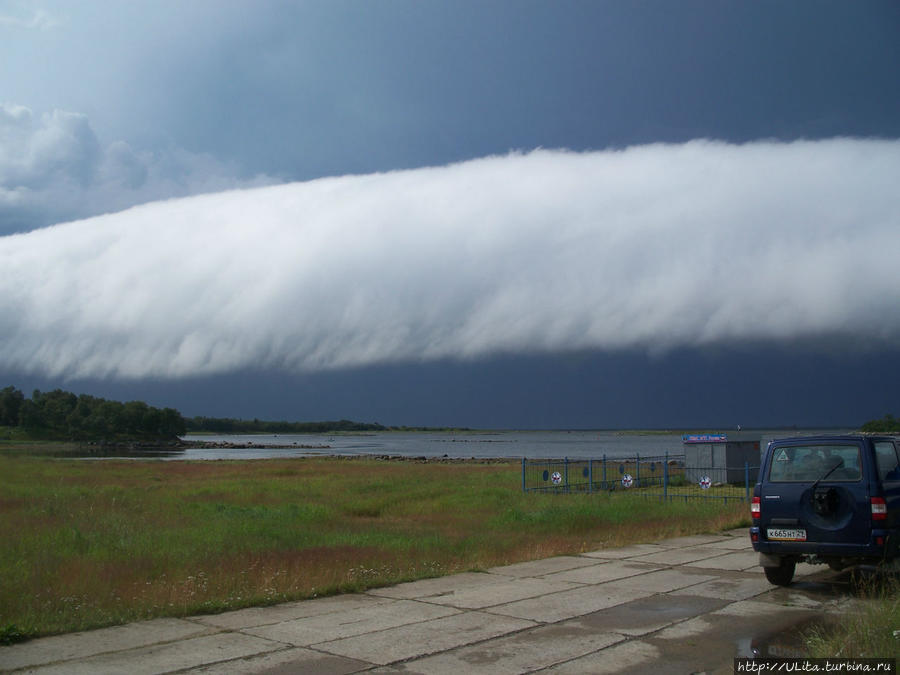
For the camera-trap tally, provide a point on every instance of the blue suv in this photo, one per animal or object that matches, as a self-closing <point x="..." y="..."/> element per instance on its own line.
<point x="826" y="499"/>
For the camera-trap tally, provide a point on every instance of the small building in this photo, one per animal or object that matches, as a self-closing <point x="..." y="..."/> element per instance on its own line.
<point x="719" y="457"/>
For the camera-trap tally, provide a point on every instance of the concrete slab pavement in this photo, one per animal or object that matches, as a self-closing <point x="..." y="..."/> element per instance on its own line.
<point x="502" y="591"/>
<point x="690" y="603"/>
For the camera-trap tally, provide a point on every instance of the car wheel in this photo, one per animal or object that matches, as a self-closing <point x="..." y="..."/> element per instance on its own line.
<point x="781" y="575"/>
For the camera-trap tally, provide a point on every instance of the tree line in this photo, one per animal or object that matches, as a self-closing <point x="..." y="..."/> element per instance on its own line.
<point x="887" y="424"/>
<point x="62" y="414"/>
<point x="226" y="425"/>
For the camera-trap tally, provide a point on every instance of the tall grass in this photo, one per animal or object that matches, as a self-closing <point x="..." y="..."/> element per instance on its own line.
<point x="871" y="629"/>
<point x="88" y="544"/>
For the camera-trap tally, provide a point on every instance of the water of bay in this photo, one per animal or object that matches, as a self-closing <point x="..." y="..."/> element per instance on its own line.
<point x="458" y="445"/>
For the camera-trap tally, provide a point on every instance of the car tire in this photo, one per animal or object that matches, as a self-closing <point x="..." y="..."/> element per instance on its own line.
<point x="781" y="575"/>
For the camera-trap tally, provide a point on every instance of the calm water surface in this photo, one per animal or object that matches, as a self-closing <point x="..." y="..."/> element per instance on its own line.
<point x="515" y="444"/>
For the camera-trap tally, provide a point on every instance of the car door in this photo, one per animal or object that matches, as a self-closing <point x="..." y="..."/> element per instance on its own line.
<point x="888" y="461"/>
<point x="816" y="492"/>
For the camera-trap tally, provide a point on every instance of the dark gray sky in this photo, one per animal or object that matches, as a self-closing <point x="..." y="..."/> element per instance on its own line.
<point x="679" y="285"/>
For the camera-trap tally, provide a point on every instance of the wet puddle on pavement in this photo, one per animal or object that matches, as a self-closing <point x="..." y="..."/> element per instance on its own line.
<point x="787" y="642"/>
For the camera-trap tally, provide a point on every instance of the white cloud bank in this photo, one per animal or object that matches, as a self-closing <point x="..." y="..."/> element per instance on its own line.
<point x="654" y="247"/>
<point x="53" y="168"/>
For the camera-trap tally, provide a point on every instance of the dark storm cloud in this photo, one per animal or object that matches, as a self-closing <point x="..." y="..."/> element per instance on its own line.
<point x="303" y="90"/>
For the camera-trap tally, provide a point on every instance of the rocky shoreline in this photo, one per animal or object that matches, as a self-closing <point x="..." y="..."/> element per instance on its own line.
<point x="228" y="445"/>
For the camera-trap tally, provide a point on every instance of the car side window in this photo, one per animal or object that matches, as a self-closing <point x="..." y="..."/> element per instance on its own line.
<point x="888" y="464"/>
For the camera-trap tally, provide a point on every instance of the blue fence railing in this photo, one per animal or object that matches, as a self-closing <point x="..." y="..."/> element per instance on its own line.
<point x="667" y="476"/>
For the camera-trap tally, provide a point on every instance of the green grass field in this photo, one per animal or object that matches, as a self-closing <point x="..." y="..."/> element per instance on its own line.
<point x="94" y="543"/>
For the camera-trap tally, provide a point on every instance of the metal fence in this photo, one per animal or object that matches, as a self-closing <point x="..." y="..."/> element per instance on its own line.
<point x="664" y="476"/>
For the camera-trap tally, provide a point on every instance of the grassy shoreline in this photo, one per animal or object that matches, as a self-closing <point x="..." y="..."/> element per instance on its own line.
<point x="90" y="544"/>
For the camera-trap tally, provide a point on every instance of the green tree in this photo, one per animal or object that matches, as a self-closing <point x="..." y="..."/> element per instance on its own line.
<point x="887" y="424"/>
<point x="31" y="417"/>
<point x="79" y="419"/>
<point x="56" y="407"/>
<point x="172" y="423"/>
<point x="11" y="401"/>
<point x="134" y="415"/>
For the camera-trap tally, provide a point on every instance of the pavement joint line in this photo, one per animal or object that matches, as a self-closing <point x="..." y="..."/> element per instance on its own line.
<point x="591" y="554"/>
<point x="188" y="669"/>
<point x="495" y="574"/>
<point x="317" y="647"/>
<point x="639" y="574"/>
<point x="580" y="656"/>
<point x="580" y="584"/>
<point x="475" y="643"/>
<point x="458" y="612"/>
<point x="625" y="637"/>
<point x="160" y="643"/>
<point x="317" y="650"/>
<point x="576" y="658"/>
<point x="208" y="632"/>
<point x="711" y="557"/>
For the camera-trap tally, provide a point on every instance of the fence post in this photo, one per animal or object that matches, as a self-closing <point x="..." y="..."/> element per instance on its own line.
<point x="666" y="478"/>
<point x="637" y="470"/>
<point x="566" y="470"/>
<point x="590" y="476"/>
<point x="605" y="486"/>
<point x="747" y="481"/>
<point x="523" y="476"/>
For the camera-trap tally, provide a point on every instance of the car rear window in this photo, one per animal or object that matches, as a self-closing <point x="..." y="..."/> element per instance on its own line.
<point x="808" y="463"/>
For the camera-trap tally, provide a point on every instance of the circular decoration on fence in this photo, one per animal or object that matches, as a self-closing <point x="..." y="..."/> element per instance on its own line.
<point x="705" y="482"/>
<point x="556" y="478"/>
<point x="627" y="480"/>
<point x="546" y="475"/>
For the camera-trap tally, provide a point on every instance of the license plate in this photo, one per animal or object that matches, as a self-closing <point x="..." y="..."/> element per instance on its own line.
<point x="778" y="534"/>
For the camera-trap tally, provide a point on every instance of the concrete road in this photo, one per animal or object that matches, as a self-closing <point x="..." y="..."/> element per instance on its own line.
<point x="682" y="605"/>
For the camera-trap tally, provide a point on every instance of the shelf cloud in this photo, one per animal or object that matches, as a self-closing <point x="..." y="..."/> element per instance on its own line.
<point x="652" y="247"/>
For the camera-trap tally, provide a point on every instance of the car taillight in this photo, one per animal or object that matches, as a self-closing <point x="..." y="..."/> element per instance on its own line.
<point x="754" y="508"/>
<point x="879" y="508"/>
